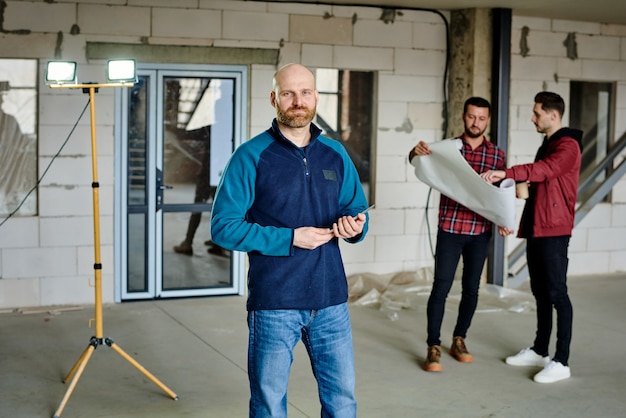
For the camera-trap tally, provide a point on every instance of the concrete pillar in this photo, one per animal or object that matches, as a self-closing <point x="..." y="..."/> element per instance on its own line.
<point x="470" y="62"/>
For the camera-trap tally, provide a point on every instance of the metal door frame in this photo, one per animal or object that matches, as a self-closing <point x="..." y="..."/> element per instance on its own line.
<point x="156" y="73"/>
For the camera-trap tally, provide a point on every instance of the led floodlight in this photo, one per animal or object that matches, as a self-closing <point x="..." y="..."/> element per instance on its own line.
<point x="61" y="72"/>
<point x="121" y="71"/>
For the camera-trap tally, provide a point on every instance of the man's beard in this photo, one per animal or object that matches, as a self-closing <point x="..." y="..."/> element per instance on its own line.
<point x="471" y="134"/>
<point x="292" y="121"/>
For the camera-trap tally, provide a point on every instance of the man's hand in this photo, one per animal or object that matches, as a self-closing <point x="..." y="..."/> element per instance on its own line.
<point x="493" y="176"/>
<point x="504" y="231"/>
<point x="309" y="237"/>
<point x="421" y="148"/>
<point x="348" y="226"/>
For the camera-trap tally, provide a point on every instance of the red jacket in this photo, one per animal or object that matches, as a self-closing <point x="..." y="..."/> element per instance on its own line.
<point x="551" y="206"/>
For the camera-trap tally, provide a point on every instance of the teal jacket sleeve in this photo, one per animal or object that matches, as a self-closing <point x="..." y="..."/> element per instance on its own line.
<point x="233" y="199"/>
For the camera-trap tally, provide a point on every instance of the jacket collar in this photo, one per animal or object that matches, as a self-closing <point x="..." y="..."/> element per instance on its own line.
<point x="278" y="135"/>
<point x="575" y="134"/>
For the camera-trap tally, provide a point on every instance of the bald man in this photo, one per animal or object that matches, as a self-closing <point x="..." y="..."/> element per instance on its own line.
<point x="286" y="197"/>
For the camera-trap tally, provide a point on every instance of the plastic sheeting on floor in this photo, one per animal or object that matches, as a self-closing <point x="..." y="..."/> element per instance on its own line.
<point x="392" y="293"/>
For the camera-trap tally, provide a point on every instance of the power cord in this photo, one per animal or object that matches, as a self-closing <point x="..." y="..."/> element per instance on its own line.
<point x="48" y="167"/>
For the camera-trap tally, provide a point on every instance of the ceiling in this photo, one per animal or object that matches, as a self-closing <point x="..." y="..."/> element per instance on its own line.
<point x="602" y="11"/>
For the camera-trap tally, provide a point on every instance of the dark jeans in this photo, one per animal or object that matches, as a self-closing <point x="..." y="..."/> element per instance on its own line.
<point x="547" y="265"/>
<point x="450" y="248"/>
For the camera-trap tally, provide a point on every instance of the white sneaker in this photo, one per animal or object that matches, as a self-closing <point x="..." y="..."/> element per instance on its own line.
<point x="553" y="372"/>
<point x="527" y="357"/>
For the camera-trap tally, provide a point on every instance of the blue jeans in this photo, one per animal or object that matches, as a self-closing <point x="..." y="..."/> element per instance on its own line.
<point x="450" y="248"/>
<point x="327" y="335"/>
<point x="547" y="265"/>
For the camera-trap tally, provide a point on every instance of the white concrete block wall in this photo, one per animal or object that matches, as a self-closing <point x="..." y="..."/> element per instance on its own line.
<point x="533" y="68"/>
<point x="410" y="89"/>
<point x="569" y="69"/>
<point x="320" y="56"/>
<point x="619" y="193"/>
<point x="603" y="70"/>
<point x="39" y="16"/>
<point x="578" y="242"/>
<point x="249" y="6"/>
<point x="20" y="232"/>
<point x="391" y="168"/>
<point x="186" y="23"/>
<point x="19" y="46"/>
<point x="255" y="26"/>
<point x="361" y="58"/>
<point x="419" y="62"/>
<point x="299" y="8"/>
<point x="44" y="266"/>
<point x="391" y="116"/>
<point x="379" y="34"/>
<point x="186" y="4"/>
<point x="79" y="144"/>
<point x="533" y="23"/>
<point x="617" y="261"/>
<point x="599" y="217"/>
<point x="546" y="44"/>
<point x="121" y="20"/>
<point x="428" y="115"/>
<point x="332" y="31"/>
<point x="566" y="26"/>
<point x="20" y="292"/>
<point x="618" y="215"/>
<point x="588" y="263"/>
<point x="261" y="110"/>
<point x="77" y="231"/>
<point x="598" y="47"/>
<point x="429" y="36"/>
<point x="39" y="262"/>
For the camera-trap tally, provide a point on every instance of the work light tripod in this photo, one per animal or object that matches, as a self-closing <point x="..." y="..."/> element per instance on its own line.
<point x="77" y="370"/>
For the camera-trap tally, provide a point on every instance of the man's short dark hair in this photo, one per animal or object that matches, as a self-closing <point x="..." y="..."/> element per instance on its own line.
<point x="478" y="102"/>
<point x="550" y="101"/>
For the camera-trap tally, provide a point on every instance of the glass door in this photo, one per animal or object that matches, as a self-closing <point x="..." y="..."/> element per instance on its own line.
<point x="177" y="126"/>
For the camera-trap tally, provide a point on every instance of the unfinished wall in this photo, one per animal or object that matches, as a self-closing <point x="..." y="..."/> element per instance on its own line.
<point x="48" y="259"/>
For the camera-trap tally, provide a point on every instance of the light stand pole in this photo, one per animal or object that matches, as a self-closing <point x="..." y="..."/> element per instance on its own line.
<point x="98" y="339"/>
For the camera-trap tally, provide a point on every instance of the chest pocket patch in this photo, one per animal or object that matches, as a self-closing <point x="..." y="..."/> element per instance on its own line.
<point x="329" y="175"/>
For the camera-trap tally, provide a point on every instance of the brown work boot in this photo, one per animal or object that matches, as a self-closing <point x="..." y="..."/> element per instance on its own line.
<point x="459" y="351"/>
<point x="183" y="248"/>
<point x="432" y="359"/>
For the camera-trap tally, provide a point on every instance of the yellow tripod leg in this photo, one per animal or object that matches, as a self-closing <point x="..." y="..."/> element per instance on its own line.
<point x="79" y="368"/>
<point x="142" y="369"/>
<point x="78" y="363"/>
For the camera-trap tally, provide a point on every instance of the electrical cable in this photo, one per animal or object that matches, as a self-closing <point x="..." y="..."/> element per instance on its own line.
<point x="48" y="167"/>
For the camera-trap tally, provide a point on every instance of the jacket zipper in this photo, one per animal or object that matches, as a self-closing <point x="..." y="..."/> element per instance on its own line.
<point x="306" y="166"/>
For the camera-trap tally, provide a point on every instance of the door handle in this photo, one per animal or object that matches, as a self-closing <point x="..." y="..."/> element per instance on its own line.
<point x="159" y="189"/>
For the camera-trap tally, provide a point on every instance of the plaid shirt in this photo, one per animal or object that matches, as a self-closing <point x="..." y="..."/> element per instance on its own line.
<point x="456" y="218"/>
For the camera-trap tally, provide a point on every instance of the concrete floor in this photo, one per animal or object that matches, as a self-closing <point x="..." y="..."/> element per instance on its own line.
<point x="197" y="348"/>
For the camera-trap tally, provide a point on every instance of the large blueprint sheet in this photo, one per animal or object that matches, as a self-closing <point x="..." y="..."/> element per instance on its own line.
<point x="447" y="171"/>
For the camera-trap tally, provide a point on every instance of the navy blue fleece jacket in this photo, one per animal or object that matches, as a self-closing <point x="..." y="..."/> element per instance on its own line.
<point x="269" y="187"/>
